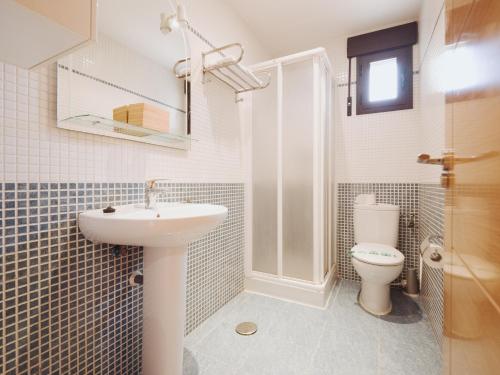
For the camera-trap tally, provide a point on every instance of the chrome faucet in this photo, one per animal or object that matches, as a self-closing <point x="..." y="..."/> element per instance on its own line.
<point x="151" y="190"/>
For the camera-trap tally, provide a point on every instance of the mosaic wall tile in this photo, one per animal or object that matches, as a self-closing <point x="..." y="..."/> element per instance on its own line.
<point x="66" y="306"/>
<point x="215" y="263"/>
<point x="405" y="195"/>
<point x="431" y="212"/>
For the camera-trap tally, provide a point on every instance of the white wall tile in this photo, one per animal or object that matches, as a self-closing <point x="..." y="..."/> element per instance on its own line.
<point x="432" y="130"/>
<point x="378" y="147"/>
<point x="432" y="141"/>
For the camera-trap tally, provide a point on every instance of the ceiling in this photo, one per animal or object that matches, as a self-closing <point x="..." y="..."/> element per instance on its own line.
<point x="286" y="26"/>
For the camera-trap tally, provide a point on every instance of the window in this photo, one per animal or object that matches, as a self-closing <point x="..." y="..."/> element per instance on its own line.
<point x="384" y="81"/>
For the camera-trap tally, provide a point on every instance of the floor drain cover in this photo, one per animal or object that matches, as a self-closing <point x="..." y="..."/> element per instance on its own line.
<point x="246" y="328"/>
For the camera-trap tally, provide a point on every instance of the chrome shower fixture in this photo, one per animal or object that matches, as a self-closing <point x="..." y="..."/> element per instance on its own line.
<point x="169" y="23"/>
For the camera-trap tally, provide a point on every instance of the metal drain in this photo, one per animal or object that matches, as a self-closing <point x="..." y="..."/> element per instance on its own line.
<point x="246" y="328"/>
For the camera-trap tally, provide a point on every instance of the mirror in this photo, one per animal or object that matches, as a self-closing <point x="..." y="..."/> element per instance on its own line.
<point x="133" y="82"/>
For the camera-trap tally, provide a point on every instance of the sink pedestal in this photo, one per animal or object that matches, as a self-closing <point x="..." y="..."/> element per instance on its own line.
<point x="164" y="310"/>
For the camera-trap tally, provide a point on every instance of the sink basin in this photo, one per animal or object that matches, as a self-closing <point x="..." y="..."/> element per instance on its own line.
<point x="165" y="233"/>
<point x="169" y="224"/>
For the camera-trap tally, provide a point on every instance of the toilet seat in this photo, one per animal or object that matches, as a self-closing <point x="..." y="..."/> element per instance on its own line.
<point x="377" y="254"/>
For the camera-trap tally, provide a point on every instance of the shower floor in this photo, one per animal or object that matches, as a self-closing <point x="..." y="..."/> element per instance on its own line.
<point x="293" y="339"/>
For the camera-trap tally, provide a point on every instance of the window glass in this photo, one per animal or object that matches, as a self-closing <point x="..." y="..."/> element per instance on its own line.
<point x="383" y="80"/>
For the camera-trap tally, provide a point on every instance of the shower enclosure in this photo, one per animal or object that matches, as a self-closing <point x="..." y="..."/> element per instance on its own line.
<point x="291" y="254"/>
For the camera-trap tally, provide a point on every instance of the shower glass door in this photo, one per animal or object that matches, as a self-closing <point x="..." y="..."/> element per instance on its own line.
<point x="297" y="161"/>
<point x="265" y="178"/>
<point x="291" y="184"/>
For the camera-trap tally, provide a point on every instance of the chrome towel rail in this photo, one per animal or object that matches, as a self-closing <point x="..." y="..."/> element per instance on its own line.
<point x="228" y="69"/>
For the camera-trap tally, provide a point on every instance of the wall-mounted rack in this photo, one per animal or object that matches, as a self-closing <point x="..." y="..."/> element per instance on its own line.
<point x="228" y="69"/>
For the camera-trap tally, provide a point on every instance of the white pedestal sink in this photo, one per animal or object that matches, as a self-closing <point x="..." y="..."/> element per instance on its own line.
<point x="165" y="233"/>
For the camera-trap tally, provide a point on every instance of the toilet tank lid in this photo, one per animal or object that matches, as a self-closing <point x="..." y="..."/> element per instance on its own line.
<point x="377" y="206"/>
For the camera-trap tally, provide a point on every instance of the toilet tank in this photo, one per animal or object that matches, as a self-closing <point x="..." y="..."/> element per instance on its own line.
<point x="376" y="223"/>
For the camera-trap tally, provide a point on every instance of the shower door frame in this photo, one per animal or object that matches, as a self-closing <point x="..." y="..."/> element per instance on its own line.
<point x="320" y="280"/>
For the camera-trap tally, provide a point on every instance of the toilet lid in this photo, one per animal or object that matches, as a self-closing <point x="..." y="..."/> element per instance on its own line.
<point x="381" y="255"/>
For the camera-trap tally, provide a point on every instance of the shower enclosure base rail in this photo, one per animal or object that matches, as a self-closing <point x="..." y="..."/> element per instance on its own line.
<point x="290" y="250"/>
<point x="315" y="295"/>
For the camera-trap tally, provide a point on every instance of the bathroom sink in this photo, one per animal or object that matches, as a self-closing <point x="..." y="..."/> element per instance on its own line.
<point x="165" y="232"/>
<point x="167" y="225"/>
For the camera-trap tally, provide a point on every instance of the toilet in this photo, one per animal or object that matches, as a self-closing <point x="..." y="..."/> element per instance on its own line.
<point x="375" y="257"/>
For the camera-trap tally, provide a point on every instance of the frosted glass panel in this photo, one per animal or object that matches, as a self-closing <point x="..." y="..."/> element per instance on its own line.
<point x="298" y="170"/>
<point x="324" y="112"/>
<point x="264" y="169"/>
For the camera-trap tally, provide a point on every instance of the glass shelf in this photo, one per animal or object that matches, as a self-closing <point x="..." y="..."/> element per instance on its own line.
<point x="104" y="126"/>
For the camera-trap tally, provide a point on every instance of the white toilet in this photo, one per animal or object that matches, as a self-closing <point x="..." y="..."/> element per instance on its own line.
<point x="375" y="257"/>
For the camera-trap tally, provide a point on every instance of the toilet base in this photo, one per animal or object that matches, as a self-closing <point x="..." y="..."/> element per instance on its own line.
<point x="375" y="298"/>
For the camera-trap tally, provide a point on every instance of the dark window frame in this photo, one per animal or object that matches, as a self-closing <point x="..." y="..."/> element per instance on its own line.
<point x="404" y="100"/>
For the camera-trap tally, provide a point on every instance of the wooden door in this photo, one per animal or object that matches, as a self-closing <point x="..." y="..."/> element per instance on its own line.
<point x="472" y="273"/>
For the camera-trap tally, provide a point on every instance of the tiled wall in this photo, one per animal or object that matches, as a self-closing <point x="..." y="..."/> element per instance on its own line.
<point x="432" y="141"/>
<point x="65" y="300"/>
<point x="66" y="303"/>
<point x="50" y="272"/>
<point x="432" y="128"/>
<point x="34" y="150"/>
<point x="382" y="148"/>
<point x="103" y="335"/>
<point x="403" y="195"/>
<point x="378" y="147"/>
<point x="431" y="212"/>
<point x="215" y="263"/>
<point x="374" y="153"/>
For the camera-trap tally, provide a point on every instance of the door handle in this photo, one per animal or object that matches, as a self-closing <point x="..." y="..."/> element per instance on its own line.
<point x="426" y="159"/>
<point x="447" y="179"/>
<point x="448" y="160"/>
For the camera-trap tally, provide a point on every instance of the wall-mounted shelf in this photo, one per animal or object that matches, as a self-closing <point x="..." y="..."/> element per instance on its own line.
<point x="104" y="126"/>
<point x="228" y="69"/>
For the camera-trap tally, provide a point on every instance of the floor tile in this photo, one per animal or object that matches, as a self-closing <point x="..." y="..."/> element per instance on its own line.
<point x="293" y="339"/>
<point x="276" y="356"/>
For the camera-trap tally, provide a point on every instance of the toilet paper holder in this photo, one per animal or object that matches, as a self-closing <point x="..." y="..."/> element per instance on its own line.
<point x="435" y="255"/>
<point x="428" y="242"/>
